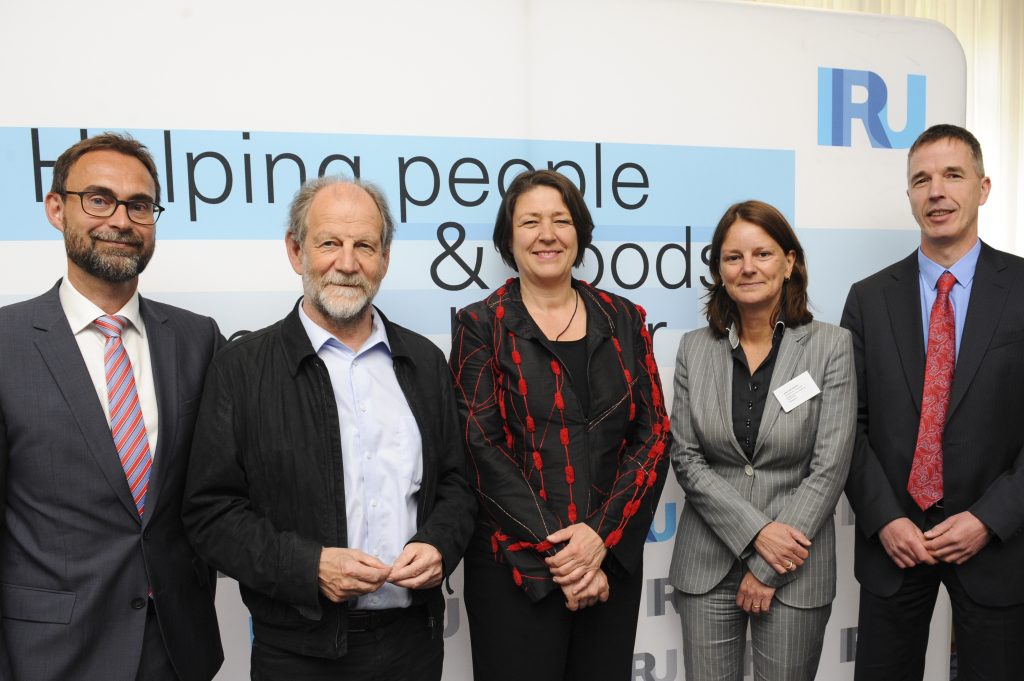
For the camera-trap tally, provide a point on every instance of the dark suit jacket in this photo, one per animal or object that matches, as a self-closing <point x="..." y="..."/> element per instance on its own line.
<point x="983" y="444"/>
<point x="75" y="559"/>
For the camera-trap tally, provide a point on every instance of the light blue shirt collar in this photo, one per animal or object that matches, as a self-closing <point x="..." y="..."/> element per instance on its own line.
<point x="319" y="336"/>
<point x="963" y="269"/>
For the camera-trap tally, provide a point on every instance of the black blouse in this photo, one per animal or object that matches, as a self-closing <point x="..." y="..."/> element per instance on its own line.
<point x="750" y="392"/>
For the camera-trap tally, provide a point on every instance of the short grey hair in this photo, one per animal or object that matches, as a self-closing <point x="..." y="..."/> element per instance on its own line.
<point x="303" y="199"/>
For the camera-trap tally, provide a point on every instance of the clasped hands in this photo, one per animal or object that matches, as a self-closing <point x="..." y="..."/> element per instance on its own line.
<point x="954" y="540"/>
<point x="577" y="567"/>
<point x="784" y="548"/>
<point x="349" y="573"/>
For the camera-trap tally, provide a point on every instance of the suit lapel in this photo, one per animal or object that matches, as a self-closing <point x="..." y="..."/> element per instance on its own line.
<point x="721" y="381"/>
<point x="787" y="365"/>
<point x="988" y="296"/>
<point x="903" y="301"/>
<point x="163" y="353"/>
<point x="63" y="358"/>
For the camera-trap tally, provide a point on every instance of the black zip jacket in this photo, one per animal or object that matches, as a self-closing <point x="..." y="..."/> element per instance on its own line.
<point x="265" y="489"/>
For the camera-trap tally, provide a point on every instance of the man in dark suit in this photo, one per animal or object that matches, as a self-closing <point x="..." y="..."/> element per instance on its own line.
<point x="937" y="480"/>
<point x="98" y="395"/>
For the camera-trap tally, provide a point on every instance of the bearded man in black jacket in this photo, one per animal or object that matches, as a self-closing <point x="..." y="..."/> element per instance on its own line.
<point x="327" y="471"/>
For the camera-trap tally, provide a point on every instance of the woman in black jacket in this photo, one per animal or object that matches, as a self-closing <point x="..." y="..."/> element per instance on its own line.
<point x="567" y="433"/>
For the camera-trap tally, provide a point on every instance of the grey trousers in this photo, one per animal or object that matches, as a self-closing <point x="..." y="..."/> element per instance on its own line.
<point x="785" y="643"/>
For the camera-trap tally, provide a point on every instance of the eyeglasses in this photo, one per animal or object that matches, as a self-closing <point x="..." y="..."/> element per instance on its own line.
<point x="103" y="205"/>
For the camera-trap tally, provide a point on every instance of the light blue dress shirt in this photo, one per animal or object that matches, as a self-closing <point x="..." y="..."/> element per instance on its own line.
<point x="959" y="295"/>
<point x="381" y="449"/>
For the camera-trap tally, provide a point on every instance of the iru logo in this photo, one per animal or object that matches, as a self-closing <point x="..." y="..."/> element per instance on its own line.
<point x="837" y="108"/>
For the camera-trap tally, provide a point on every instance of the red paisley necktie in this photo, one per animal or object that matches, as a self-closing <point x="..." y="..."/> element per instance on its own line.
<point x="925" y="484"/>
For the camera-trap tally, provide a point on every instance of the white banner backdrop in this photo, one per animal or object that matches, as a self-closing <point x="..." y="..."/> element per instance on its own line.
<point x="665" y="112"/>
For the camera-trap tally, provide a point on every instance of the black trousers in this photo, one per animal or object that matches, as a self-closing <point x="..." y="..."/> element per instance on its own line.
<point x="892" y="633"/>
<point x="515" y="639"/>
<point x="406" y="649"/>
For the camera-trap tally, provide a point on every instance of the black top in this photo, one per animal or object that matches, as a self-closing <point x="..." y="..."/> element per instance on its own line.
<point x="750" y="391"/>
<point x="574" y="356"/>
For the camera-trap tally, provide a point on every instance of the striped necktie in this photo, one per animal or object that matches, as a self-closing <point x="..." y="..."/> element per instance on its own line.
<point x="126" y="424"/>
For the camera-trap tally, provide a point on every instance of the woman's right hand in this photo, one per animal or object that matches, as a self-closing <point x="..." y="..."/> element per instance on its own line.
<point x="596" y="589"/>
<point x="782" y="546"/>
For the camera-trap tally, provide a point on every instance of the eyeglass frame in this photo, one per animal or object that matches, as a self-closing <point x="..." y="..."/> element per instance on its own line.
<point x="157" y="208"/>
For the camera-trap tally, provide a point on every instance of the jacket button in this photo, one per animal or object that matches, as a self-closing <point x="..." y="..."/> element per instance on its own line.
<point x="138" y="603"/>
<point x="749" y="470"/>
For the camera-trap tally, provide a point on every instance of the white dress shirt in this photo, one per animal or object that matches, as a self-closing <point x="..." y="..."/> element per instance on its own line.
<point x="381" y="450"/>
<point x="81" y="313"/>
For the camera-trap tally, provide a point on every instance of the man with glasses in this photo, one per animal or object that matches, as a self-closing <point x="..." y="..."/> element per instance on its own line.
<point x="98" y="396"/>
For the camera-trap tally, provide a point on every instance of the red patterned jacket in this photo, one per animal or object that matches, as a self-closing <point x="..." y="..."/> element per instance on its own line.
<point x="538" y="464"/>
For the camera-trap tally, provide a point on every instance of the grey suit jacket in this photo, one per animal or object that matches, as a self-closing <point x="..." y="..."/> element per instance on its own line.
<point x="796" y="475"/>
<point x="76" y="562"/>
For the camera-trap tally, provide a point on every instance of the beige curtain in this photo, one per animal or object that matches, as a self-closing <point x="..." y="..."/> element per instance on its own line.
<point x="992" y="35"/>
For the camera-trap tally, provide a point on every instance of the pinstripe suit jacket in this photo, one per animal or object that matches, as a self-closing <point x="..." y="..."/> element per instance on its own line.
<point x="795" y="476"/>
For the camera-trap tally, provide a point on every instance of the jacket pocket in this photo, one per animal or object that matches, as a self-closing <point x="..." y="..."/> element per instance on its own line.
<point x="36" y="605"/>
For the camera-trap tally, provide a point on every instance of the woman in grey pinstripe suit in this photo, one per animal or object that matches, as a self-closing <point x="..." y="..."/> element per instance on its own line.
<point x="762" y="456"/>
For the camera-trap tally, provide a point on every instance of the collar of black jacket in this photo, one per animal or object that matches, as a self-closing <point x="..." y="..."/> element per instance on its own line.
<point x="518" y="320"/>
<point x="298" y="349"/>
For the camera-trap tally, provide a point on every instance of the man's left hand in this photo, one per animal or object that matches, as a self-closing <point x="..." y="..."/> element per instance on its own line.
<point x="957" y="538"/>
<point x="419" y="566"/>
<point x="584" y="553"/>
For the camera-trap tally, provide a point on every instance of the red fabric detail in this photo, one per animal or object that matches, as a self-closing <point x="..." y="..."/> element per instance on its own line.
<point x="499" y="311"/>
<point x="613" y="538"/>
<point x="652" y="477"/>
<point x="632" y="411"/>
<point x="543" y="494"/>
<point x="563" y="435"/>
<point x="538" y="463"/>
<point x="472" y="315"/>
<point x="570" y="474"/>
<point x="572" y="513"/>
<point x="559" y="401"/>
<point x="639" y="478"/>
<point x="629" y="376"/>
<point x="615" y="342"/>
<point x="925" y="483"/>
<point x="555" y="369"/>
<point x="501" y="291"/>
<point x="544" y="546"/>
<point x="605" y="297"/>
<point x="517" y="577"/>
<point x="522" y="386"/>
<point x="516" y="357"/>
<point x="641" y="310"/>
<point x="531" y="426"/>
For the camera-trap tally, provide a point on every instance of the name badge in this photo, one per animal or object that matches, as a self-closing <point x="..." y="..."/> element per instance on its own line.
<point x="794" y="393"/>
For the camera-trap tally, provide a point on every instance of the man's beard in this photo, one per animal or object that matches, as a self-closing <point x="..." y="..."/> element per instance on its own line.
<point x="341" y="306"/>
<point x="116" y="268"/>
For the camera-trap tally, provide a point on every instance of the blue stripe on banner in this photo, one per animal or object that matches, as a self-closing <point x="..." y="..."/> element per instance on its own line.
<point x="237" y="185"/>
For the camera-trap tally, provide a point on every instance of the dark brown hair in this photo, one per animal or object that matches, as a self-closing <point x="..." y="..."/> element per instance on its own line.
<point x="572" y="197"/>
<point x="720" y="309"/>
<point x="947" y="131"/>
<point x="108" y="141"/>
